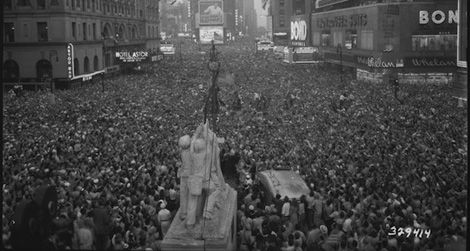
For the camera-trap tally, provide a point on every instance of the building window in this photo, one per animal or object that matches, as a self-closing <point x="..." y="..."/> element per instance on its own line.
<point x="9" y="32"/>
<point x="281" y="3"/>
<point x="24" y="3"/>
<point x="78" y="3"/>
<point x="41" y="4"/>
<point x="94" y="31"/>
<point x="86" y="65"/>
<point x="7" y="4"/>
<point x="351" y="39"/>
<point x="56" y="2"/>
<point x="84" y="31"/>
<point x="316" y="38"/>
<point x="338" y="38"/>
<point x="42" y="31"/>
<point x="25" y="30"/>
<point x="74" y="30"/>
<point x="87" y="4"/>
<point x="367" y="40"/>
<point x="76" y="67"/>
<point x="433" y="42"/>
<point x="325" y="38"/>
<point x="282" y="21"/>
<point x="83" y="5"/>
<point x="96" y="66"/>
<point x="73" y="4"/>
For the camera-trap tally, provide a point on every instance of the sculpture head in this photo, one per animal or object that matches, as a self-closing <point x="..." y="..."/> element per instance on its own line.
<point x="184" y="142"/>
<point x="199" y="145"/>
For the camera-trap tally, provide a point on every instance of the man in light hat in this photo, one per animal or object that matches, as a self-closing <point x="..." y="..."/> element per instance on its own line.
<point x="164" y="217"/>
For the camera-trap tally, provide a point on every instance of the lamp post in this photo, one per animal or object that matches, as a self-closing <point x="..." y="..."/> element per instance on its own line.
<point x="211" y="106"/>
<point x="339" y="50"/>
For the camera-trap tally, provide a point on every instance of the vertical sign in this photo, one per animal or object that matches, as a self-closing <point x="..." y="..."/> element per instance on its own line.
<point x="70" y="60"/>
<point x="462" y="33"/>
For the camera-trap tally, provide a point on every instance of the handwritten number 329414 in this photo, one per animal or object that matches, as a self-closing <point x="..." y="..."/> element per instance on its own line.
<point x="408" y="232"/>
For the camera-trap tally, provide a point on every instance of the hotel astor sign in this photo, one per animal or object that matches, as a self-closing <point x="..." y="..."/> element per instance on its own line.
<point x="137" y="56"/>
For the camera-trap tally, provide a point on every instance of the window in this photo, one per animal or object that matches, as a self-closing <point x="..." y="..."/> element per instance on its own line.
<point x="25" y="30"/>
<point x="55" y="2"/>
<point x="87" y="4"/>
<point x="282" y="21"/>
<point x="351" y="39"/>
<point x="78" y="3"/>
<point x="86" y="65"/>
<point x="367" y="40"/>
<point x="96" y="66"/>
<point x="281" y="3"/>
<point x="76" y="67"/>
<point x="42" y="31"/>
<point x="337" y="38"/>
<point x="325" y="38"/>
<point x="84" y="31"/>
<point x="41" y="4"/>
<point x="74" y="30"/>
<point x="7" y="4"/>
<point x="148" y="31"/>
<point x="24" y="3"/>
<point x="73" y="4"/>
<point x="316" y="38"/>
<point x="83" y="5"/>
<point x="9" y="32"/>
<point x="94" y="31"/>
<point x="433" y="42"/>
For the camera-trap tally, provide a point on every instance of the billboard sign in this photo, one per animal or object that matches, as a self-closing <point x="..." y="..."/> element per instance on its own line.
<point x="209" y="33"/>
<point x="298" y="31"/>
<point x="128" y="57"/>
<point x="211" y="12"/>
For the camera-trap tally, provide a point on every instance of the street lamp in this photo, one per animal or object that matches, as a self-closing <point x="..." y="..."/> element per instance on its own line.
<point x="212" y="103"/>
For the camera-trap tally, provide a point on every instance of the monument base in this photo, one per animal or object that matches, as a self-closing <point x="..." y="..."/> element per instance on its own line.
<point x="219" y="232"/>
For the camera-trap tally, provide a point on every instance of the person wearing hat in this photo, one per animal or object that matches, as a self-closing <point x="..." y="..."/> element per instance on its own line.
<point x="164" y="217"/>
<point x="286" y="209"/>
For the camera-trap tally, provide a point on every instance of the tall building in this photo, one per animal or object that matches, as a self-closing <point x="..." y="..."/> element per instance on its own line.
<point x="281" y="12"/>
<point x="249" y="18"/>
<point x="412" y="41"/>
<point x="73" y="40"/>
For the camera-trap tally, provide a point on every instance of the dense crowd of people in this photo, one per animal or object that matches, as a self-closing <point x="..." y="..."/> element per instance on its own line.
<point x="371" y="162"/>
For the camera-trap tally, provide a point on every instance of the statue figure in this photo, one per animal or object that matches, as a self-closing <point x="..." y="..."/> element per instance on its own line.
<point x="205" y="174"/>
<point x="183" y="173"/>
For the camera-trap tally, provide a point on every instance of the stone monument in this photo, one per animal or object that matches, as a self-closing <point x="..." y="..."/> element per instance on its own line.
<point x="207" y="215"/>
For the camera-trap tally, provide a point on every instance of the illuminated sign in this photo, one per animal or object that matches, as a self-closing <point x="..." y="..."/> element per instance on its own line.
<point x="354" y="20"/>
<point x="323" y="3"/>
<point x="70" y="60"/>
<point x="298" y="30"/>
<point x="211" y="12"/>
<point x="132" y="56"/>
<point x="236" y="17"/>
<point x="379" y="62"/>
<point x="209" y="33"/>
<point x="437" y="17"/>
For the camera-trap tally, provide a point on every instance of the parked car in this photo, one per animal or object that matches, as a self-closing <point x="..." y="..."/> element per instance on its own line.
<point x="264" y="46"/>
<point x="167" y="48"/>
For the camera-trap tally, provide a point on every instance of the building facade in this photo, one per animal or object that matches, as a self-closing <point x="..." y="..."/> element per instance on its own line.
<point x="414" y="41"/>
<point x="281" y="12"/>
<point x="461" y="83"/>
<point x="74" y="40"/>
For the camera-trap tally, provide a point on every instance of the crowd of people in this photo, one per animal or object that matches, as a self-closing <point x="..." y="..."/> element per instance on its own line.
<point x="371" y="161"/>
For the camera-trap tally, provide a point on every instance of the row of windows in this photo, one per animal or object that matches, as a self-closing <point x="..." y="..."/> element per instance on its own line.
<point x="434" y="42"/>
<point x="86" y="65"/>
<point x="86" y="29"/>
<point x="108" y="7"/>
<point x="41" y="27"/>
<point x="347" y="39"/>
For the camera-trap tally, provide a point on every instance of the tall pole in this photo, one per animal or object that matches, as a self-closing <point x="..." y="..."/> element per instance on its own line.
<point x="211" y="106"/>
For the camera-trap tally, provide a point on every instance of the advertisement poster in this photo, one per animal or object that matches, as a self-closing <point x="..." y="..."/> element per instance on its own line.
<point x="211" y="12"/>
<point x="306" y="55"/>
<point x="209" y="33"/>
<point x="299" y="31"/>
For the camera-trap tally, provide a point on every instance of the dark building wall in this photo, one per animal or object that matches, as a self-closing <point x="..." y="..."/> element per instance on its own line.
<point x="41" y="34"/>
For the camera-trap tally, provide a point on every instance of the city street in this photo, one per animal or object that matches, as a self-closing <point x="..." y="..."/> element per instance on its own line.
<point x="370" y="159"/>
